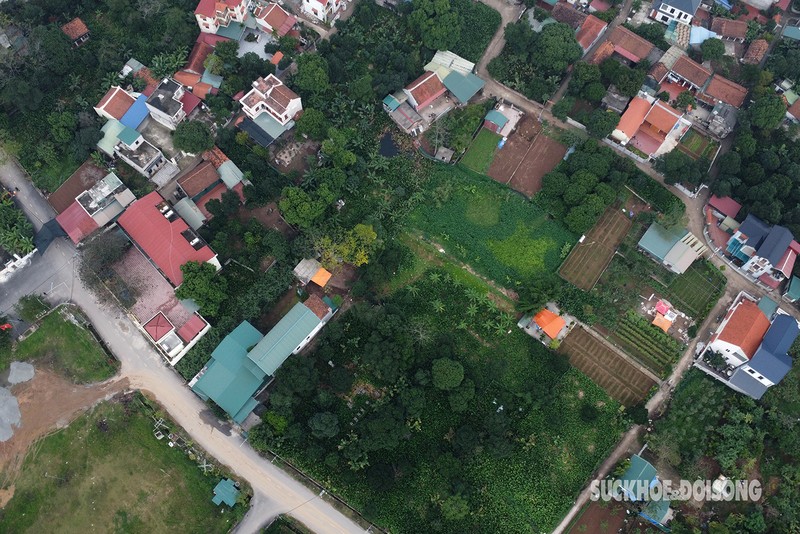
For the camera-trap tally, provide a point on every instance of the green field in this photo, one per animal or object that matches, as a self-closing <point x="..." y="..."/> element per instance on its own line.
<point x="522" y="445"/>
<point x="489" y="227"/>
<point x="69" y="349"/>
<point x="107" y="473"/>
<point x="652" y="347"/>
<point x="481" y="152"/>
<point x="697" y="290"/>
<point x="698" y="145"/>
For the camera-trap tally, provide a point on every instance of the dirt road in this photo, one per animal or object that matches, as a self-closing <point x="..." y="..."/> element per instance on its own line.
<point x="276" y="492"/>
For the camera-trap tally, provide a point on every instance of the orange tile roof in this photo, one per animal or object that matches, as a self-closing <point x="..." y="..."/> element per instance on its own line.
<point x="733" y="29"/>
<point x="746" y="327"/>
<point x="603" y="52"/>
<point x="276" y="57"/>
<point x="198" y="56"/>
<point x="725" y="90"/>
<point x="322" y="277"/>
<point x="215" y="156"/>
<point x="628" y="41"/>
<point x="425" y="87"/>
<point x="550" y="323"/>
<point x="659" y="72"/>
<point x="199" y="179"/>
<point x="755" y="52"/>
<point x="692" y="71"/>
<point x="75" y="28"/>
<point x="662" y="322"/>
<point x="189" y="79"/>
<point x="590" y="30"/>
<point x="632" y="119"/>
<point x="794" y="109"/>
<point x="317" y="305"/>
<point x="662" y="116"/>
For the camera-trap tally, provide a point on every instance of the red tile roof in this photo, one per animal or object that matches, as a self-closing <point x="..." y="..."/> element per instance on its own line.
<point x="211" y="38"/>
<point x="189" y="79"/>
<point x="216" y="194"/>
<point x="317" y="305"/>
<point x="76" y="222"/>
<point x="725" y="90"/>
<point x="158" y="327"/>
<point x="786" y="265"/>
<point x="603" y="52"/>
<point x="75" y="29"/>
<point x="794" y="109"/>
<point x="161" y="239"/>
<point x="198" y="56"/>
<point x="199" y="179"/>
<point x="276" y="57"/>
<point x="209" y="8"/>
<point x="630" y="45"/>
<point x="662" y="116"/>
<point x="568" y="15"/>
<point x="633" y="117"/>
<point x="276" y="18"/>
<point x="590" y="30"/>
<point x="755" y="52"/>
<point x="769" y="281"/>
<point x="732" y="29"/>
<point x="691" y="71"/>
<point x="746" y="327"/>
<point x="193" y="326"/>
<point x="725" y="205"/>
<point x="189" y="101"/>
<point x="659" y="72"/>
<point x="216" y="156"/>
<point x="116" y="102"/>
<point x="426" y="88"/>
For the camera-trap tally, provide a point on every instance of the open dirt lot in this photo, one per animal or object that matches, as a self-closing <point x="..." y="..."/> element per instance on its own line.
<point x="47" y="402"/>
<point x="587" y="261"/>
<point x="611" y="514"/>
<point x="526" y="157"/>
<point x="606" y="367"/>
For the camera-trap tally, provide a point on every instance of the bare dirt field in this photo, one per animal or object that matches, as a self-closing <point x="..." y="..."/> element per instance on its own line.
<point x="47" y="402"/>
<point x="587" y="261"/>
<point x="269" y="216"/>
<point x="611" y="514"/>
<point x="606" y="367"/>
<point x="526" y="157"/>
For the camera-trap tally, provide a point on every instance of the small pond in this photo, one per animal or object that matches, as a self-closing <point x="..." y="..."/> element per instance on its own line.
<point x="388" y="148"/>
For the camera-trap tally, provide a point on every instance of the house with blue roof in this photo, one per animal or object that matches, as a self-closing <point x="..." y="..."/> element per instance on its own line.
<point x="136" y="114"/>
<point x="767" y="254"/>
<point x="243" y="364"/>
<point x="636" y="484"/>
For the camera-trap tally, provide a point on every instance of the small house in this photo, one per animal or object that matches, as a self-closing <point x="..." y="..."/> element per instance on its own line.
<point x="678" y="10"/>
<point x="675" y="248"/>
<point x="310" y="270"/>
<point x="77" y="31"/>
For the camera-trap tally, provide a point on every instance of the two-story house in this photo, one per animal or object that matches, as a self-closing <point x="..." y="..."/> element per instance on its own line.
<point x="211" y="15"/>
<point x="270" y="95"/>
<point x="166" y="103"/>
<point x="740" y="332"/>
<point x="324" y="10"/>
<point x="678" y="10"/>
<point x="767" y="254"/>
<point x="273" y="19"/>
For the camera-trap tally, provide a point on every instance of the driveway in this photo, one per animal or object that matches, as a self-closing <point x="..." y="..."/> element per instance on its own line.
<point x="54" y="273"/>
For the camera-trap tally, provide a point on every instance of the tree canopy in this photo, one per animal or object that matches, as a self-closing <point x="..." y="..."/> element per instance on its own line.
<point x="712" y="49"/>
<point x="193" y="137"/>
<point x="202" y="285"/>
<point x="436" y="23"/>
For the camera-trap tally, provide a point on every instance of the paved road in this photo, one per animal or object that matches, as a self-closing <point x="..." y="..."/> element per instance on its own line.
<point x="54" y="273"/>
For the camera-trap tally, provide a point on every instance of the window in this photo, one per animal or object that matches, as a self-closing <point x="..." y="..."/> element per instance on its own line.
<point x="671" y="10"/>
<point x="664" y="18"/>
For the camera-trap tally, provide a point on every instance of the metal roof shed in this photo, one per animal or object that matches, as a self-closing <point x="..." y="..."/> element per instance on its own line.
<point x="284" y="338"/>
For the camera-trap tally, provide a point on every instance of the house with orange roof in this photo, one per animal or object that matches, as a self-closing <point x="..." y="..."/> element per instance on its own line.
<point x="588" y="28"/>
<point x="115" y="103"/>
<point x="690" y="73"/>
<point x="631" y="120"/>
<point x="310" y="270"/>
<point x="756" y="52"/>
<point x="211" y="15"/>
<point x="740" y="332"/>
<point x="721" y="89"/>
<point x="550" y="323"/>
<point x="77" y="31"/>
<point x="424" y="90"/>
<point x="192" y="74"/>
<point x="273" y="19"/>
<point x="626" y="44"/>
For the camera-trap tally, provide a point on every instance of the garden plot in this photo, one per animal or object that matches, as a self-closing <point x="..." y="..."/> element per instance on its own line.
<point x="696" y="145"/>
<point x="526" y="157"/>
<point x="697" y="290"/>
<point x="607" y="367"/>
<point x="481" y="152"/>
<point x="587" y="261"/>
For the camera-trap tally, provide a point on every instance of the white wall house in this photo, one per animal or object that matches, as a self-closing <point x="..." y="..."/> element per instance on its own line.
<point x="324" y="10"/>
<point x="165" y="103"/>
<point x="213" y="14"/>
<point x="270" y="95"/>
<point x="678" y="10"/>
<point x="740" y="333"/>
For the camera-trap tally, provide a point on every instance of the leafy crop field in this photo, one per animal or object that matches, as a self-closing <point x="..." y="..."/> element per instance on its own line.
<point x="587" y="261"/>
<point x="608" y="369"/>
<point x="489" y="227"/>
<point x="479" y="23"/>
<point x="698" y="289"/>
<point x="518" y="437"/>
<point x="646" y="343"/>
<point x="481" y="152"/>
<point x="106" y="471"/>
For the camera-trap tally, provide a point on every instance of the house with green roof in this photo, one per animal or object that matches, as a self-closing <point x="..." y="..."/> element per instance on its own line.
<point x="244" y="363"/>
<point x="225" y="492"/>
<point x="636" y="484"/>
<point x="793" y="291"/>
<point x="675" y="248"/>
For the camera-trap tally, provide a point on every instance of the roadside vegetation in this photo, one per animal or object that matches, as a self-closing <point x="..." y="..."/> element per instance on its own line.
<point x="107" y="468"/>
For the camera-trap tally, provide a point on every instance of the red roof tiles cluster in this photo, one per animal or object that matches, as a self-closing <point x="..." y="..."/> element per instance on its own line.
<point x="590" y="30"/>
<point x="732" y="29"/>
<point x="276" y="18"/>
<point x="630" y="45"/>
<point x="199" y="179"/>
<point x="75" y="29"/>
<point x="116" y="102"/>
<point x="756" y="52"/>
<point x="426" y="88"/>
<point x="568" y="15"/>
<point x="724" y="90"/>
<point x="691" y="71"/>
<point x="746" y="327"/>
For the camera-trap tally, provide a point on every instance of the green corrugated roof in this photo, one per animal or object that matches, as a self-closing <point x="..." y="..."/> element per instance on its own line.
<point x="230" y="174"/>
<point x="639" y="475"/>
<point x="225" y="492"/>
<point x="233" y="31"/>
<point x="111" y="131"/>
<point x="793" y="293"/>
<point x="463" y="87"/>
<point x="228" y="380"/>
<point x="768" y="306"/>
<point x="657" y="510"/>
<point x="284" y="338"/>
<point x="128" y="135"/>
<point x="391" y="102"/>
<point x="497" y="118"/>
<point x="658" y="240"/>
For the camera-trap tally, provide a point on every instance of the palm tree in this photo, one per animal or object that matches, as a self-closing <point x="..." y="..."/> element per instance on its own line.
<point x="434" y="277"/>
<point x="74" y="82"/>
<point x="438" y="306"/>
<point x="98" y="159"/>
<point x="412" y="290"/>
<point x="472" y="310"/>
<point x="109" y="79"/>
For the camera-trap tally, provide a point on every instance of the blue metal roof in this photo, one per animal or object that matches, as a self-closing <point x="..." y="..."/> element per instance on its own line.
<point x="792" y="32"/>
<point x="775" y="244"/>
<point x="772" y="366"/>
<point x="391" y="102"/>
<point x="225" y="492"/>
<point x="747" y="383"/>
<point x="755" y="229"/>
<point x="640" y="475"/>
<point x="136" y="114"/>
<point x="497" y="118"/>
<point x="781" y="334"/>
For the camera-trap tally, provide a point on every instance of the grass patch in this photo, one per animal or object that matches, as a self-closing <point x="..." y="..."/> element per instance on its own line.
<point x="698" y="289"/>
<point x="70" y="349"/>
<point x="486" y="225"/>
<point x="481" y="153"/>
<point x="698" y="145"/>
<point x="50" y="177"/>
<point x="107" y="470"/>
